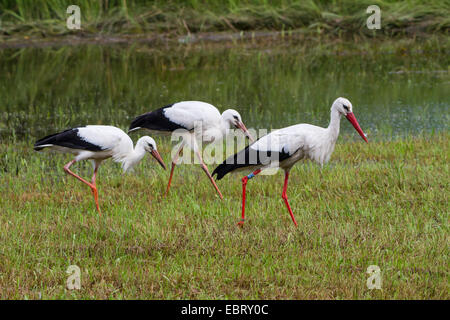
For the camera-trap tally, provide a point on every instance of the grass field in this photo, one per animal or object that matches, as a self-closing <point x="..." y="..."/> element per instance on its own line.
<point x="315" y="17"/>
<point x="383" y="203"/>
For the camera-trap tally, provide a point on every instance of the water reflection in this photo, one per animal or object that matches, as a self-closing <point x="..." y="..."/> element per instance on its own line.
<point x="46" y="90"/>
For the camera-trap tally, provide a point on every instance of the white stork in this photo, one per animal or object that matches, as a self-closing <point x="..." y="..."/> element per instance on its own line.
<point x="98" y="143"/>
<point x="202" y="122"/>
<point x="284" y="147"/>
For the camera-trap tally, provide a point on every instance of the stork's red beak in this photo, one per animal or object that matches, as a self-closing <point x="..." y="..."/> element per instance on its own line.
<point x="351" y="117"/>
<point x="241" y="126"/>
<point x="156" y="155"/>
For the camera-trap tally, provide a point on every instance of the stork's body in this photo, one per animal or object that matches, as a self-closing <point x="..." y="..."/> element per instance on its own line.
<point x="98" y="143"/>
<point x="199" y="123"/>
<point x="285" y="147"/>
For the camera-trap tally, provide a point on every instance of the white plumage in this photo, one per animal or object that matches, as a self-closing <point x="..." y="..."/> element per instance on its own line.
<point x="97" y="143"/>
<point x="197" y="122"/>
<point x="285" y="147"/>
<point x="193" y="113"/>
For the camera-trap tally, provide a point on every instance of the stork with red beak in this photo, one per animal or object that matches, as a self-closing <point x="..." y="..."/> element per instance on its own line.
<point x="98" y="143"/>
<point x="284" y="147"/>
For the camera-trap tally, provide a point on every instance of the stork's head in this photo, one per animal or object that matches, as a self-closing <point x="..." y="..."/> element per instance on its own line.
<point x="149" y="145"/>
<point x="344" y="107"/>
<point x="233" y="118"/>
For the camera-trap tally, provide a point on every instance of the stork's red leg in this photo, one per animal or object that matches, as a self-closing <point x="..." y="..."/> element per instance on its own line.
<point x="244" y="184"/>
<point x="285" y="198"/>
<point x="174" y="163"/>
<point x="205" y="168"/>
<point x="91" y="185"/>
<point x="170" y="178"/>
<point x="94" y="190"/>
<point x="95" y="174"/>
<point x="67" y="170"/>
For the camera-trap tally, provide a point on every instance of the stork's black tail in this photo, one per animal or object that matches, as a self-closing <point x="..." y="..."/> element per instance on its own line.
<point x="51" y="139"/>
<point x="140" y="122"/>
<point x="222" y="170"/>
<point x="154" y="120"/>
<point x="241" y="159"/>
<point x="68" y="138"/>
<point x="249" y="157"/>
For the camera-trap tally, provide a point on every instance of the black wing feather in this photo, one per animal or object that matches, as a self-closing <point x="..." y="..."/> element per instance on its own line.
<point x="155" y="120"/>
<point x="247" y="158"/>
<point x="69" y="139"/>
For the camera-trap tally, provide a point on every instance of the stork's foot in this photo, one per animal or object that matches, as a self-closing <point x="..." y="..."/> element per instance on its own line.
<point x="241" y="223"/>
<point x="95" y="194"/>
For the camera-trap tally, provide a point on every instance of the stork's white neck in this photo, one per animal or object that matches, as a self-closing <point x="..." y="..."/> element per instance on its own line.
<point x="225" y="124"/>
<point x="133" y="157"/>
<point x="333" y="127"/>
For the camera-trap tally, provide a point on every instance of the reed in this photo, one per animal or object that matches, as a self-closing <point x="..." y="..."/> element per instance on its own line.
<point x="337" y="18"/>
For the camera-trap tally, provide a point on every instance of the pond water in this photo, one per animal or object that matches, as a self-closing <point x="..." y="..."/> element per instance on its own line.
<point x="49" y="89"/>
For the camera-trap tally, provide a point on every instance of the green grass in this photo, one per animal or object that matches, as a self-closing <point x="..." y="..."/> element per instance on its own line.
<point x="330" y="17"/>
<point x="383" y="203"/>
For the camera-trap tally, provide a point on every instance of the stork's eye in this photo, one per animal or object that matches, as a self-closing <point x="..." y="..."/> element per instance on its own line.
<point x="236" y="117"/>
<point x="346" y="108"/>
<point x="150" y="145"/>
